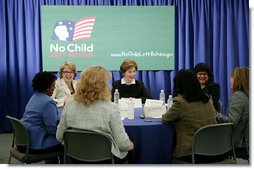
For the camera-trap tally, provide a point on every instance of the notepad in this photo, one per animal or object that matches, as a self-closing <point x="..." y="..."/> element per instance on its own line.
<point x="126" y="108"/>
<point x="154" y="108"/>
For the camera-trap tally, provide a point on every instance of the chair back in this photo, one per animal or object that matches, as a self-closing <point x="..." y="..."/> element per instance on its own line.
<point x="21" y="136"/>
<point x="243" y="152"/>
<point x="86" y="145"/>
<point x="215" y="139"/>
<point x="246" y="138"/>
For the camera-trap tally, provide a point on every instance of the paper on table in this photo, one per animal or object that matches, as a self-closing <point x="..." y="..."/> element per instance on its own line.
<point x="153" y="102"/>
<point x="154" y="111"/>
<point x="137" y="102"/>
<point x="154" y="108"/>
<point x="126" y="110"/>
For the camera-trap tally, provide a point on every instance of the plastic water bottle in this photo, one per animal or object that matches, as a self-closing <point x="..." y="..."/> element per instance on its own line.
<point x="169" y="101"/>
<point x="131" y="109"/>
<point x="116" y="96"/>
<point x="162" y="96"/>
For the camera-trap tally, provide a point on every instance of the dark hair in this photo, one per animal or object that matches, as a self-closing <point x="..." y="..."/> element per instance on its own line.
<point x="203" y="67"/>
<point x="187" y="85"/>
<point x="42" y="81"/>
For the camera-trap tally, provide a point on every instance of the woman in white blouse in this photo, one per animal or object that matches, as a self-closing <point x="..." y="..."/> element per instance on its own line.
<point x="66" y="84"/>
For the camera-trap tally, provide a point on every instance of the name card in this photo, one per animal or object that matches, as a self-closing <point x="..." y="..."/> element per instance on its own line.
<point x="153" y="102"/>
<point x="154" y="111"/>
<point x="137" y="102"/>
<point x="126" y="108"/>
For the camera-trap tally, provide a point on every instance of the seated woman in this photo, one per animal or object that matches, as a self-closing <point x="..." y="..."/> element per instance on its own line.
<point x="190" y="110"/>
<point x="128" y="86"/>
<point x="40" y="116"/>
<point x="65" y="85"/>
<point x="91" y="109"/>
<point x="238" y="107"/>
<point x="205" y="78"/>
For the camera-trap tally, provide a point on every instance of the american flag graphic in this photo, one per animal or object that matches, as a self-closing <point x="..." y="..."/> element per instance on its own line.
<point x="66" y="30"/>
<point x="83" y="28"/>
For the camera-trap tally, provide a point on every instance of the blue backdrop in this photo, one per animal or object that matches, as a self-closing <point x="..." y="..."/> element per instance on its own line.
<point x="211" y="31"/>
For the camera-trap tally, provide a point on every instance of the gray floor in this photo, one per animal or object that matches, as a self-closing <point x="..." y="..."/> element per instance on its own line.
<point x="6" y="141"/>
<point x="5" y="144"/>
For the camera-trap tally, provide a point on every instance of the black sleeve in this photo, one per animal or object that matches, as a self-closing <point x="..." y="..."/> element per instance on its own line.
<point x="144" y="93"/>
<point x="215" y="92"/>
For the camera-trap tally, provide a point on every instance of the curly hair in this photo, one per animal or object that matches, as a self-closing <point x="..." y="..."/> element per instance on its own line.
<point x="70" y="65"/>
<point x="241" y="79"/>
<point x="93" y="85"/>
<point x="42" y="81"/>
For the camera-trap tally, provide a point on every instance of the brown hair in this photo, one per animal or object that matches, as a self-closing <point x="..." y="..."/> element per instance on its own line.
<point x="93" y="85"/>
<point x="241" y="79"/>
<point x="70" y="65"/>
<point x="127" y="64"/>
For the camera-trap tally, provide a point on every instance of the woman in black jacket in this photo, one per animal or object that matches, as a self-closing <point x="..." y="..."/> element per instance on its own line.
<point x="205" y="78"/>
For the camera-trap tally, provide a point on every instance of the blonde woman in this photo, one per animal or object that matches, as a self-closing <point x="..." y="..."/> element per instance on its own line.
<point x="238" y="106"/>
<point x="65" y="85"/>
<point x="91" y="109"/>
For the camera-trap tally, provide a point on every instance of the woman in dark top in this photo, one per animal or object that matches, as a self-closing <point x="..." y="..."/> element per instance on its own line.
<point x="128" y="86"/>
<point x="191" y="109"/>
<point x="205" y="78"/>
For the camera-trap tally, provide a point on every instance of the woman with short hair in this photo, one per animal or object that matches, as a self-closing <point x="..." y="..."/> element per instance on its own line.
<point x="40" y="116"/>
<point x="65" y="84"/>
<point x="128" y="86"/>
<point x="205" y="77"/>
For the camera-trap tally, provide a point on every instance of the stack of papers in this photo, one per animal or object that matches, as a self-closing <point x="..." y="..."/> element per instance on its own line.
<point x="127" y="105"/>
<point x="154" y="108"/>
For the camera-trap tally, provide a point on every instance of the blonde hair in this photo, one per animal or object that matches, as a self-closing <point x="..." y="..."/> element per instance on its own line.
<point x="70" y="65"/>
<point x="241" y="79"/>
<point x="93" y="85"/>
<point x="127" y="64"/>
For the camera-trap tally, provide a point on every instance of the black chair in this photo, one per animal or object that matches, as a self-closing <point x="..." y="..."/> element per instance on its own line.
<point x="87" y="146"/>
<point x="243" y="152"/>
<point x="21" y="138"/>
<point x="213" y="140"/>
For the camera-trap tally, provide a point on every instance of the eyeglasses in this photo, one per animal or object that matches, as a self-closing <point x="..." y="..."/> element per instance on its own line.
<point x="66" y="72"/>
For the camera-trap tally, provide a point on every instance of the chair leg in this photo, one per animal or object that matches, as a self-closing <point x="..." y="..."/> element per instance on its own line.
<point x="64" y="159"/>
<point x="9" y="161"/>
<point x="12" y="145"/>
<point x="112" y="159"/>
<point x="60" y="159"/>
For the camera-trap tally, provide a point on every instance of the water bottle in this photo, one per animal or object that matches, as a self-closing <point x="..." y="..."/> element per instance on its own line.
<point x="169" y="101"/>
<point x="162" y="96"/>
<point x="131" y="109"/>
<point x="116" y="96"/>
